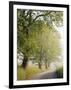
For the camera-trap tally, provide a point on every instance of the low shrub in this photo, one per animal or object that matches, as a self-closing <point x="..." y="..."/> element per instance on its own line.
<point x="59" y="72"/>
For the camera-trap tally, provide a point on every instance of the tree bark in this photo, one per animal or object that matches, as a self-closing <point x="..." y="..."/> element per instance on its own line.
<point x="25" y="62"/>
<point x="39" y="65"/>
<point x="46" y="65"/>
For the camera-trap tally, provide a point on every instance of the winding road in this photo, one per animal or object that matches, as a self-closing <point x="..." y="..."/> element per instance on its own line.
<point x="45" y="75"/>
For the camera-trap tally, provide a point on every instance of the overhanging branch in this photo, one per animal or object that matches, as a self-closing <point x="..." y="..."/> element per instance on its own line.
<point x="40" y="16"/>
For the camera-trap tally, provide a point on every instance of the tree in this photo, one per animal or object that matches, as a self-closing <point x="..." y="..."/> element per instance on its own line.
<point x="29" y="31"/>
<point x="48" y="44"/>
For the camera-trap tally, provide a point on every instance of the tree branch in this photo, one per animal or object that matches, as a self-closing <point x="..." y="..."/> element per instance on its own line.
<point x="40" y="16"/>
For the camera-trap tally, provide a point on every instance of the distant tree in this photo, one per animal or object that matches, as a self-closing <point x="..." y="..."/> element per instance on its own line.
<point x="48" y="44"/>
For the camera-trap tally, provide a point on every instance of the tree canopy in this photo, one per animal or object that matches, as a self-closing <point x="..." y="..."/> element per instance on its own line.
<point x="36" y="34"/>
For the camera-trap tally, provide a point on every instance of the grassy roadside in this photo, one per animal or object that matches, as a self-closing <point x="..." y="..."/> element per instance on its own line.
<point x="29" y="72"/>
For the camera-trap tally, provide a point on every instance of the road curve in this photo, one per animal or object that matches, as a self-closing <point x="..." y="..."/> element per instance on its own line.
<point x="45" y="75"/>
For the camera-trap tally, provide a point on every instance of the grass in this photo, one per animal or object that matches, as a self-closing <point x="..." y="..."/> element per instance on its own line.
<point x="59" y="72"/>
<point x="28" y="73"/>
<point x="20" y="74"/>
<point x="33" y="70"/>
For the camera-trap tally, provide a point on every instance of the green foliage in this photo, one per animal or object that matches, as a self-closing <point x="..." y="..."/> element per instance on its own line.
<point x="59" y="72"/>
<point x="50" y="43"/>
<point x="36" y="34"/>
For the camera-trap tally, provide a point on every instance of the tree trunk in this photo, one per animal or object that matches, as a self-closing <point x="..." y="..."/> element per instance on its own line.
<point x="46" y="65"/>
<point x="45" y="62"/>
<point x="39" y="65"/>
<point x="25" y="61"/>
